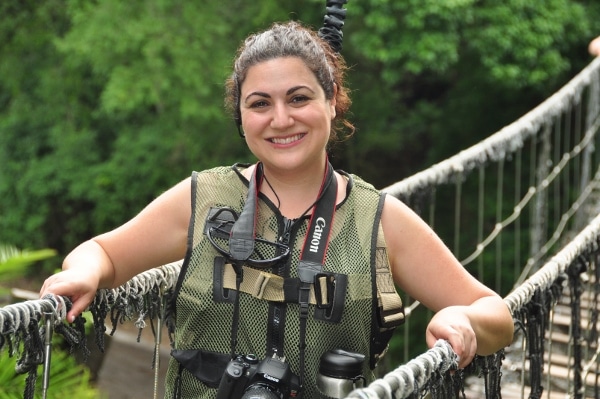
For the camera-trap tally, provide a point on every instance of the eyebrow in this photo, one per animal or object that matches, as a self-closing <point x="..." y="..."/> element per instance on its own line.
<point x="287" y="93"/>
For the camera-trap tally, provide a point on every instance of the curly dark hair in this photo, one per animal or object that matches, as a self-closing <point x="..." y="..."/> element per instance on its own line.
<point x="292" y="39"/>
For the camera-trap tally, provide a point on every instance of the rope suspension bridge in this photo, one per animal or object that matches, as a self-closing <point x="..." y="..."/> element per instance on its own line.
<point x="541" y="177"/>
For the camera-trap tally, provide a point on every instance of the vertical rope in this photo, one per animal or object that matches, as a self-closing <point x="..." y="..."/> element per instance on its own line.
<point x="432" y="203"/>
<point x="577" y="164"/>
<point x="524" y="348"/>
<point x="593" y="337"/>
<point x="499" y="202"/>
<point x="590" y="339"/>
<point x="567" y="144"/>
<point x="480" y="217"/>
<point x="457" y="214"/>
<point x="517" y="235"/>
<point x="534" y="245"/>
<point x="556" y="191"/>
<point x="575" y="284"/>
<point x="549" y="351"/>
<point x="540" y="208"/>
<point x="158" y="339"/>
<point x="535" y="333"/>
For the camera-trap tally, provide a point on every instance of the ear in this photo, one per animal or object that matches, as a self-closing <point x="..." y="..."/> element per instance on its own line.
<point x="333" y="101"/>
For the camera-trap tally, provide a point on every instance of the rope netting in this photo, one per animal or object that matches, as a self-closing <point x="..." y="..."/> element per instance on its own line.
<point x="500" y="145"/>
<point x="551" y="146"/>
<point x="24" y="326"/>
<point x="507" y="203"/>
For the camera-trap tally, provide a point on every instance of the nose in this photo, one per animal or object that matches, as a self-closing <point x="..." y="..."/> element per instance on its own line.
<point x="281" y="117"/>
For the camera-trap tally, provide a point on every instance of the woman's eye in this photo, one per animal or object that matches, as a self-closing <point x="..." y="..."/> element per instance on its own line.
<point x="259" y="104"/>
<point x="299" y="99"/>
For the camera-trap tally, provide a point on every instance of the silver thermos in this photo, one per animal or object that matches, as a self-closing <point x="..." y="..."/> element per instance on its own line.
<point x="340" y="372"/>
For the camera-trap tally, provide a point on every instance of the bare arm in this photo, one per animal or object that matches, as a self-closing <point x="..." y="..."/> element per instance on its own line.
<point x="594" y="47"/>
<point x="472" y="317"/>
<point x="157" y="235"/>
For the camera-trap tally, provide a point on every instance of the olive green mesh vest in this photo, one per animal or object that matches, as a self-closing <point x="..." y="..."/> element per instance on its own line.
<point x="201" y="323"/>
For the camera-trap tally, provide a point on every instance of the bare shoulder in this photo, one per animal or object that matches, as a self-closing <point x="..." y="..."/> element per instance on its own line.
<point x="422" y="264"/>
<point x="398" y="219"/>
<point x="155" y="236"/>
<point x="408" y="236"/>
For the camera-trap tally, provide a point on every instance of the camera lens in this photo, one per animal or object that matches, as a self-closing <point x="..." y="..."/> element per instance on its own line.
<point x="259" y="392"/>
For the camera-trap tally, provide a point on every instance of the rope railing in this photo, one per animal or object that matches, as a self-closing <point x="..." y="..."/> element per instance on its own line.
<point x="26" y="327"/>
<point x="23" y="326"/>
<point x="428" y="370"/>
<point x="582" y="244"/>
<point x="425" y="372"/>
<point x="551" y="153"/>
<point x="497" y="146"/>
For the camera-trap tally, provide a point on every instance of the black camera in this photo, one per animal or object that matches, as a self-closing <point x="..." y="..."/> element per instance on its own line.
<point x="247" y="378"/>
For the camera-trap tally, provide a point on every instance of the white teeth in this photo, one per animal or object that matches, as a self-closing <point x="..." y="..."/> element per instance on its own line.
<point x="286" y="140"/>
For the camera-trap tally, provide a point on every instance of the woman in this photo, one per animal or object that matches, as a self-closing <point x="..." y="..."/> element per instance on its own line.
<point x="269" y="222"/>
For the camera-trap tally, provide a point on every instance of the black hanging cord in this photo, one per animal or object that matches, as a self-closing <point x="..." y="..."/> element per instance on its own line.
<point x="331" y="31"/>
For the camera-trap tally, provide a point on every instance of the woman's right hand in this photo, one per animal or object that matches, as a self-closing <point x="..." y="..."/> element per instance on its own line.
<point x="78" y="284"/>
<point x="87" y="268"/>
<point x="154" y="237"/>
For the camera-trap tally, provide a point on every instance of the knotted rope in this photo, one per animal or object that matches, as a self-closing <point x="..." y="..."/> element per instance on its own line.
<point x="413" y="376"/>
<point x="22" y="324"/>
<point x="499" y="145"/>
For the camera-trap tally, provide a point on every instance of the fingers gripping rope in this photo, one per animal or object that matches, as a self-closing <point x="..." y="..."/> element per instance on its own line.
<point x="23" y="326"/>
<point x="412" y="377"/>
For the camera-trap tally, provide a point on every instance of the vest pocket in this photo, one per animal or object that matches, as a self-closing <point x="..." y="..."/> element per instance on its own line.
<point x="206" y="366"/>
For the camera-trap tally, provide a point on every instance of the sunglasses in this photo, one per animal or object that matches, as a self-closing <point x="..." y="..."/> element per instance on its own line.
<point x="218" y="231"/>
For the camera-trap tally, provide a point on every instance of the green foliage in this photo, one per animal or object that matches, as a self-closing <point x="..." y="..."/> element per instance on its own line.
<point x="516" y="42"/>
<point x="67" y="379"/>
<point x="104" y="105"/>
<point x="14" y="262"/>
<point x="442" y="75"/>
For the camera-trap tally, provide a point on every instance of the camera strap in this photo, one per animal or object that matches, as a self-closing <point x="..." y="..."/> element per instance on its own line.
<point x="314" y="251"/>
<point x="241" y="245"/>
<point x="312" y="257"/>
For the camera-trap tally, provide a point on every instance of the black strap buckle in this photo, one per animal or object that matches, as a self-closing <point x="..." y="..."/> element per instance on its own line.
<point x="324" y="285"/>
<point x="330" y="293"/>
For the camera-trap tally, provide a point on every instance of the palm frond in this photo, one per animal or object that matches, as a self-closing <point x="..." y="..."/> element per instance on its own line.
<point x="13" y="262"/>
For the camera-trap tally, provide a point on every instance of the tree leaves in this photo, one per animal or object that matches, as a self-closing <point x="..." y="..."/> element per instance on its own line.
<point x="104" y="105"/>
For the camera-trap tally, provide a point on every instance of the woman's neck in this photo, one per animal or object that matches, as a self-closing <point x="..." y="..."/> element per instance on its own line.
<point x="293" y="193"/>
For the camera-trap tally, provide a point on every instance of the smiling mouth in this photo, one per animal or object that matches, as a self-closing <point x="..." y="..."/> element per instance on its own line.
<point x="286" y="140"/>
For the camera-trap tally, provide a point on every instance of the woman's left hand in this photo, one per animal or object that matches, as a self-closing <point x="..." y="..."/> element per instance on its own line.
<point x="453" y="325"/>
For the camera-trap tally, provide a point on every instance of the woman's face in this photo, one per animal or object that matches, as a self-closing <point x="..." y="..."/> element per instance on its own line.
<point x="285" y="115"/>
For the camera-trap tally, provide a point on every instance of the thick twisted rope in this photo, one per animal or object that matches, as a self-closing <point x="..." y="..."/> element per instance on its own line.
<point x="413" y="376"/>
<point x="148" y="282"/>
<point x="586" y="241"/>
<point x="16" y="320"/>
<point x="22" y="324"/>
<point x="16" y="317"/>
<point x="140" y="298"/>
<point x="496" y="147"/>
